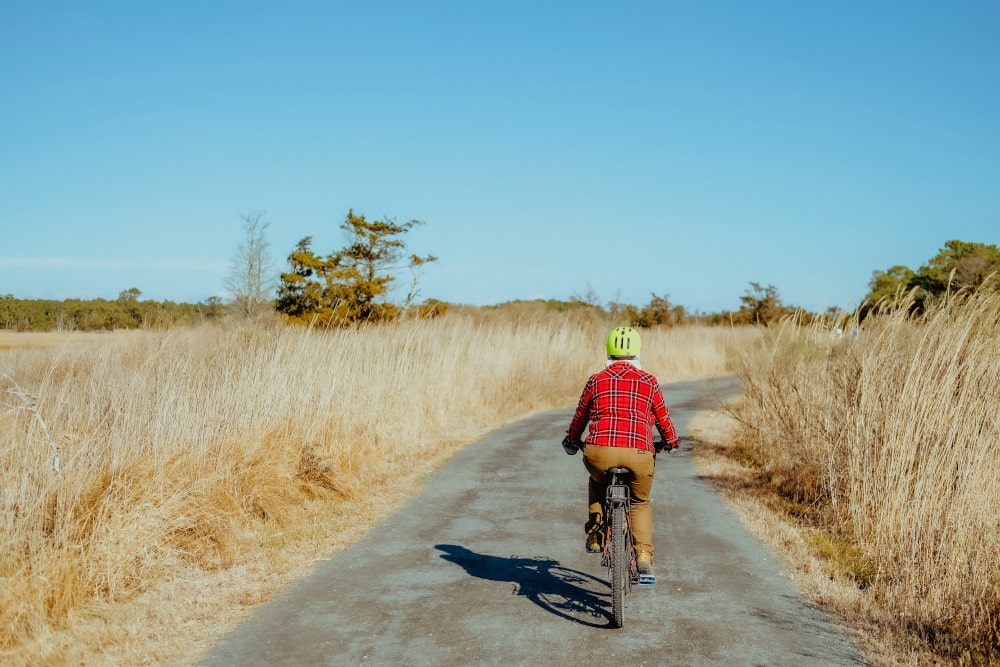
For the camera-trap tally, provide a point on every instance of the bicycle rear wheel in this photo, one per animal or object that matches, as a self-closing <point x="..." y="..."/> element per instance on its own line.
<point x="619" y="565"/>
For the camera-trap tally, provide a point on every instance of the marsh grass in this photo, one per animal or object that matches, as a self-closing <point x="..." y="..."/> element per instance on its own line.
<point x="889" y="443"/>
<point x="218" y="450"/>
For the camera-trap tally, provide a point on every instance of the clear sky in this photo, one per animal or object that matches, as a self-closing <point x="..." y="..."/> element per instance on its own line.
<point x="682" y="148"/>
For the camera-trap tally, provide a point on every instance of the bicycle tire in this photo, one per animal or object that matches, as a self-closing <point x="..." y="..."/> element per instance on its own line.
<point x="619" y="565"/>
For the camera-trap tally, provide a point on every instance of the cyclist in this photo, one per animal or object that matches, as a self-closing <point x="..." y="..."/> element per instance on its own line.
<point x="621" y="403"/>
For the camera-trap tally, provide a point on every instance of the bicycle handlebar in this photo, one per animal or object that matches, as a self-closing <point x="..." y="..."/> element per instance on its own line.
<point x="658" y="446"/>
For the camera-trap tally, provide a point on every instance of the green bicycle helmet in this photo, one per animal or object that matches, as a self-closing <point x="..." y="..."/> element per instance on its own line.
<point x="623" y="342"/>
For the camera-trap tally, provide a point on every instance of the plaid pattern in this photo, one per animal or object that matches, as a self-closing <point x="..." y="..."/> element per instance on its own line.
<point x="622" y="404"/>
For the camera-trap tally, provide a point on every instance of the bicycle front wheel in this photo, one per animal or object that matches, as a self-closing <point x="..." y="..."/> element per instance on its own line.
<point x="619" y="565"/>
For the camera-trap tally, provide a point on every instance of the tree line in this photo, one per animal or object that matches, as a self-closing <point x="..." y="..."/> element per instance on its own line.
<point x="128" y="311"/>
<point x="353" y="285"/>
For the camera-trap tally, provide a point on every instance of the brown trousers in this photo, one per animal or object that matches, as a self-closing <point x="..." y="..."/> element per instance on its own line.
<point x="598" y="459"/>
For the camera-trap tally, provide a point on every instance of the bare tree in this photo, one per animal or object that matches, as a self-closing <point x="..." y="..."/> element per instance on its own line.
<point x="252" y="277"/>
<point x="588" y="298"/>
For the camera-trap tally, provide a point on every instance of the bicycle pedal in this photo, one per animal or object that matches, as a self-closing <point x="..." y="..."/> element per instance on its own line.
<point x="647" y="579"/>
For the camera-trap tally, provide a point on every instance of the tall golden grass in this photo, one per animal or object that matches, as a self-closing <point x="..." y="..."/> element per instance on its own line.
<point x="130" y="457"/>
<point x="890" y="441"/>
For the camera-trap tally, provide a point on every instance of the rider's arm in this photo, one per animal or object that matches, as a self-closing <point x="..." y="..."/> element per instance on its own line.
<point x="582" y="415"/>
<point x="664" y="424"/>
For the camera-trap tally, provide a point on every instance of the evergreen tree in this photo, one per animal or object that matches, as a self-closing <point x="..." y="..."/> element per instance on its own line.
<point x="352" y="284"/>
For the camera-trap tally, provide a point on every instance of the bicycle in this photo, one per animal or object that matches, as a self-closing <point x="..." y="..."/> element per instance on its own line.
<point x="619" y="544"/>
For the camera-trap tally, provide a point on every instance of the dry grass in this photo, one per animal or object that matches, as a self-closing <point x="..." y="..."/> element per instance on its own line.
<point x="882" y="452"/>
<point x="39" y="340"/>
<point x="158" y="484"/>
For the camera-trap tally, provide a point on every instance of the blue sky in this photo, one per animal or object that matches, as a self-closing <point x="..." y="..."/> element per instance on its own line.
<point x="682" y="148"/>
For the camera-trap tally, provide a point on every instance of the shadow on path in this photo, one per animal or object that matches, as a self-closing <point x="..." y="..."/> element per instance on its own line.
<point x="559" y="590"/>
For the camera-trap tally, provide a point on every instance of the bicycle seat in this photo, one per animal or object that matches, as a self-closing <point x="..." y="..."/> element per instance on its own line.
<point x="619" y="471"/>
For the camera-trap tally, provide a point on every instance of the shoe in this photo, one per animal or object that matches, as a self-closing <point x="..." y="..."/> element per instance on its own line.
<point x="594" y="543"/>
<point x="644" y="562"/>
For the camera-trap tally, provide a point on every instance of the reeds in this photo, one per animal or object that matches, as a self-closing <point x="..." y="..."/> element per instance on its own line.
<point x="889" y="440"/>
<point x="179" y="447"/>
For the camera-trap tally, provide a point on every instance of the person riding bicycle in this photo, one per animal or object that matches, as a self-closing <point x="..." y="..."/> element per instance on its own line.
<point x="621" y="403"/>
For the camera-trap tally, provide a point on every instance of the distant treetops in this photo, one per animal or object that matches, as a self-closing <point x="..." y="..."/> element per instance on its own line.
<point x="959" y="265"/>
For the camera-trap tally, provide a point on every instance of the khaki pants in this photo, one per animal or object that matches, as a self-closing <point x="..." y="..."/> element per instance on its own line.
<point x="598" y="459"/>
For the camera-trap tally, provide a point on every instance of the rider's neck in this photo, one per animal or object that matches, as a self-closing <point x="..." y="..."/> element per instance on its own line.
<point x="629" y="360"/>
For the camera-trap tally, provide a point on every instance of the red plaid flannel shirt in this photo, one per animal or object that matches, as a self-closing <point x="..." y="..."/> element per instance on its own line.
<point x="622" y="404"/>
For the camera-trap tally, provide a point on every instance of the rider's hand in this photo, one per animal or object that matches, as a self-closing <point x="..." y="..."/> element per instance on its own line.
<point x="571" y="446"/>
<point x="663" y="446"/>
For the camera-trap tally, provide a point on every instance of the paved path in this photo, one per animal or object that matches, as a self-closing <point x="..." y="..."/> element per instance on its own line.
<point x="487" y="567"/>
